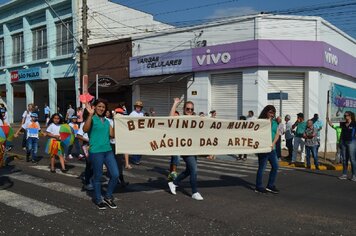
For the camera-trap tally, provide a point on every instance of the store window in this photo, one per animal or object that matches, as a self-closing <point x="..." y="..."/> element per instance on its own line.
<point x="39" y="45"/>
<point x="2" y="53"/>
<point x="64" y="38"/>
<point x="18" y="53"/>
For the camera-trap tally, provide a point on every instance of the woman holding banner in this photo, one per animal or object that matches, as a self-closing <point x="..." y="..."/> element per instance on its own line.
<point x="190" y="161"/>
<point x="268" y="113"/>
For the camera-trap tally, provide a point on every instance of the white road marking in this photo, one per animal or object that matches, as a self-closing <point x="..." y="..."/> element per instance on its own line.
<point x="28" y="205"/>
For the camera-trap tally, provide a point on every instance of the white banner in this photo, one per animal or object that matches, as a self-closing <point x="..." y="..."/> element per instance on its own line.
<point x="190" y="135"/>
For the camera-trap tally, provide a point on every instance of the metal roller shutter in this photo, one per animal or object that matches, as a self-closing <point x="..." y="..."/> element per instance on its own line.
<point x="226" y="93"/>
<point x="291" y="83"/>
<point x="160" y="96"/>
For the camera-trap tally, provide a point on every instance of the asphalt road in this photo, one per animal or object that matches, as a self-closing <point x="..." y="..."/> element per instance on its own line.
<point x="34" y="201"/>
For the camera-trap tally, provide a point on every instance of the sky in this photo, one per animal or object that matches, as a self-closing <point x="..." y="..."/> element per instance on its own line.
<point x="184" y="12"/>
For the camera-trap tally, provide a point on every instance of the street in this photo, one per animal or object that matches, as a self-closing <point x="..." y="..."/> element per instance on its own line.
<point x="35" y="201"/>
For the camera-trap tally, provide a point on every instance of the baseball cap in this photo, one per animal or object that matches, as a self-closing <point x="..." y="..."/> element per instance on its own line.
<point x="119" y="110"/>
<point x="34" y="115"/>
<point x="301" y="115"/>
<point x="74" y="117"/>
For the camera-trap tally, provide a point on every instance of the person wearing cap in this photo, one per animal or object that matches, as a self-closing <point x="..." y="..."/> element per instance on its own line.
<point x="289" y="136"/>
<point x="137" y="112"/>
<point x="75" y="126"/>
<point x="33" y="129"/>
<point x="300" y="126"/>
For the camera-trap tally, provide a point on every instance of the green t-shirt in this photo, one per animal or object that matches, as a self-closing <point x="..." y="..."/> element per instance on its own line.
<point x="300" y="129"/>
<point x="99" y="135"/>
<point x="274" y="128"/>
<point x="338" y="130"/>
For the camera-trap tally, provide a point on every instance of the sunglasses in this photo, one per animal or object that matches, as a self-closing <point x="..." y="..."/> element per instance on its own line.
<point x="189" y="109"/>
<point x="346" y="115"/>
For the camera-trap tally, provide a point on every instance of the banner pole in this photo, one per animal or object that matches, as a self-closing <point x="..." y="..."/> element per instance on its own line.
<point x="326" y="125"/>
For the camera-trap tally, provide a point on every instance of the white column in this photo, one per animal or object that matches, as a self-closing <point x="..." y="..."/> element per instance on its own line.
<point x="199" y="92"/>
<point x="9" y="97"/>
<point x="52" y="89"/>
<point x="254" y="90"/>
<point x="30" y="94"/>
<point x="312" y="99"/>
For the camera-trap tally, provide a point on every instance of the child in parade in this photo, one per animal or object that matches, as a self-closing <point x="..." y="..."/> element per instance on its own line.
<point x="88" y="172"/>
<point x="54" y="148"/>
<point x="75" y="126"/>
<point x="174" y="162"/>
<point x="33" y="129"/>
<point x="119" y="157"/>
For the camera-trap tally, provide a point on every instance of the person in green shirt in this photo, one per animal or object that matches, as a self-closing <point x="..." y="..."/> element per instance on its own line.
<point x="338" y="129"/>
<point x="99" y="131"/>
<point x="300" y="126"/>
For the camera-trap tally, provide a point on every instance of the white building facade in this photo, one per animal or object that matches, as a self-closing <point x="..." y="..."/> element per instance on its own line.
<point x="231" y="66"/>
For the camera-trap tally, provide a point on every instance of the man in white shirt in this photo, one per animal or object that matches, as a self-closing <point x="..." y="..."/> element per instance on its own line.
<point x="250" y="116"/>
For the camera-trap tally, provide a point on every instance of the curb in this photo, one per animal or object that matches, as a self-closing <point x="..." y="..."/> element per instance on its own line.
<point x="301" y="165"/>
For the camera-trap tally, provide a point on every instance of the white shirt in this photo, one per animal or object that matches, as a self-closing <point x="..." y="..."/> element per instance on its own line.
<point x="251" y="118"/>
<point x="53" y="129"/>
<point x="289" y="133"/>
<point x="27" y="115"/>
<point x="134" y="113"/>
<point x="112" y="140"/>
<point x="81" y="132"/>
<point x="281" y="129"/>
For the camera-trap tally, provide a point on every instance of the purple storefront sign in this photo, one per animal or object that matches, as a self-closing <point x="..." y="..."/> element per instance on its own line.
<point x="269" y="53"/>
<point x="159" y="64"/>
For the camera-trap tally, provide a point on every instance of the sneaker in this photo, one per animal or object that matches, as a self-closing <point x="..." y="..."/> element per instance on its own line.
<point x="353" y="178"/>
<point x="172" y="188"/>
<point x="70" y="157"/>
<point x="110" y="203"/>
<point x="172" y="176"/>
<point x="89" y="187"/>
<point x="343" y="177"/>
<point x="272" y="190"/>
<point x="101" y="205"/>
<point x="64" y="170"/>
<point x="53" y="171"/>
<point x="197" y="196"/>
<point x="34" y="161"/>
<point x="260" y="190"/>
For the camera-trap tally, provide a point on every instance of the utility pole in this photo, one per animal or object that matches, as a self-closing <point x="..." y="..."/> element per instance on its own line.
<point x="84" y="51"/>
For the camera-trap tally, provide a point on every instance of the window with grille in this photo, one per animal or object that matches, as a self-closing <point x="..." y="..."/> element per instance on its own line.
<point x="39" y="45"/>
<point x="18" y="53"/>
<point x="64" y="38"/>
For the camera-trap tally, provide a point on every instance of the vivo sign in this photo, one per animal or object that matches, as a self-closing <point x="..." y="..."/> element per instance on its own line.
<point x="213" y="58"/>
<point x="331" y="58"/>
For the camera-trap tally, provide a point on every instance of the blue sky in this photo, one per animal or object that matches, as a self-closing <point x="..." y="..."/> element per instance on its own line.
<point x="342" y="16"/>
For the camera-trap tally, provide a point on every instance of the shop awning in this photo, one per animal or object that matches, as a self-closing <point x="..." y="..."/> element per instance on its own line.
<point x="155" y="79"/>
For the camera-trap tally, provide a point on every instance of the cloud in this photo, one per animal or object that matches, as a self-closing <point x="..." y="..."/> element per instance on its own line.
<point x="233" y="11"/>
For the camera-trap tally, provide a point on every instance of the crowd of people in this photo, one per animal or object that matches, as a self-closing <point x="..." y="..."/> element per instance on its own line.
<point x="94" y="142"/>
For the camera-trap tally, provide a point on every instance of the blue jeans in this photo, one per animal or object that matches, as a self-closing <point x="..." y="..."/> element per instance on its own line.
<point x="135" y="159"/>
<point x="32" y="148"/>
<point x="313" y="151"/>
<point x="175" y="160"/>
<point x="97" y="160"/>
<point x="298" y="141"/>
<point x="76" y="146"/>
<point x="262" y="162"/>
<point x="190" y="170"/>
<point x="348" y="150"/>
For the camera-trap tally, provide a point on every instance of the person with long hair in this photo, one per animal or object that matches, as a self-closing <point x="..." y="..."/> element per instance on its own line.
<point x="348" y="145"/>
<point x="54" y="147"/>
<point x="100" y="152"/>
<point x="268" y="113"/>
<point x="190" y="160"/>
